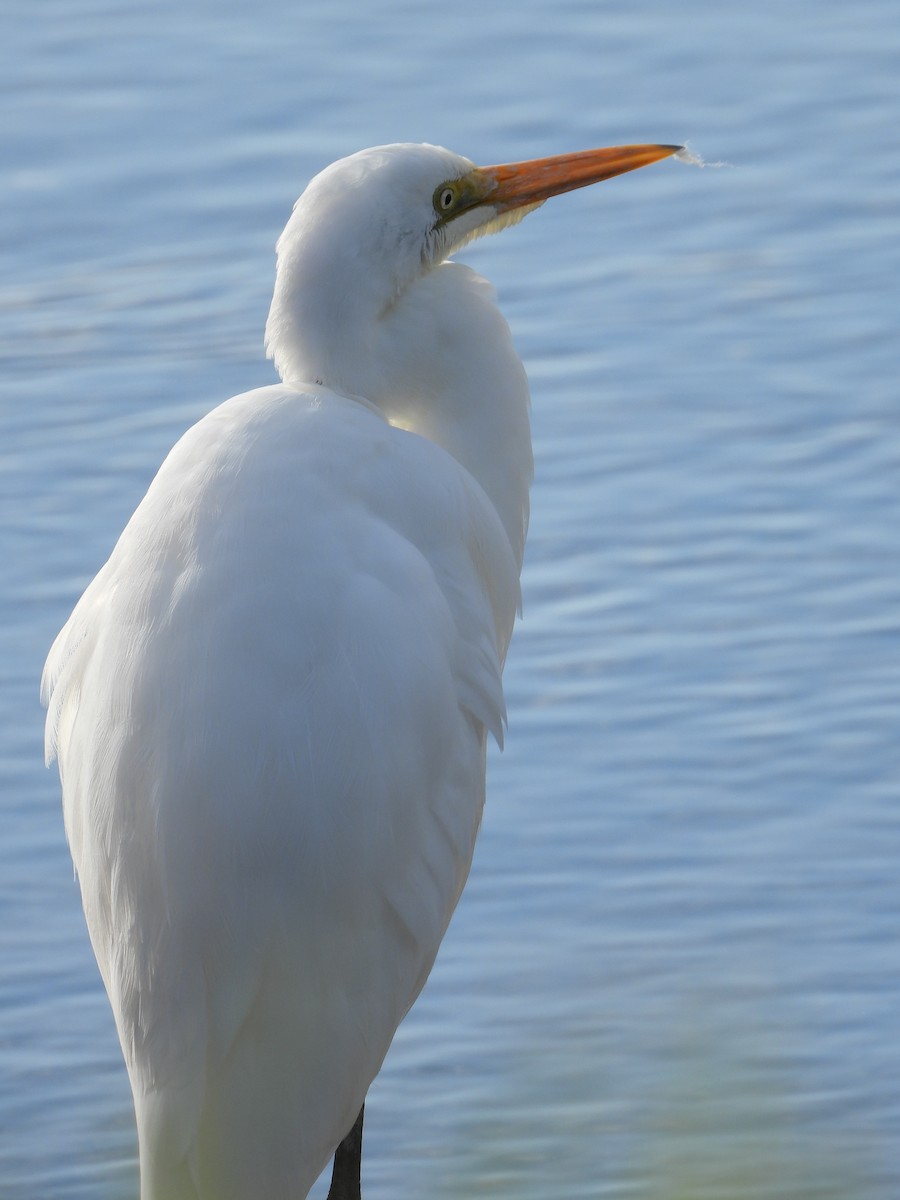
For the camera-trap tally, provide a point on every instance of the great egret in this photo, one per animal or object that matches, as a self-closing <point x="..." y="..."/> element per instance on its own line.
<point x="271" y="706"/>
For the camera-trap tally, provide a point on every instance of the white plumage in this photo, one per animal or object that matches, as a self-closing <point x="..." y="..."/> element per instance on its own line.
<point x="270" y="708"/>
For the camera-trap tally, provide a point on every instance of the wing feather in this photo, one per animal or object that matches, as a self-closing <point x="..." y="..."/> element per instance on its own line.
<point x="271" y="734"/>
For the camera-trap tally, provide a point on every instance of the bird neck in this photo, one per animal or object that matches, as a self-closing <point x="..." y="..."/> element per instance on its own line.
<point x="438" y="361"/>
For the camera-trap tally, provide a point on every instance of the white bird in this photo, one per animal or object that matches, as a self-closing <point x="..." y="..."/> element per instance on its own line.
<point x="271" y="706"/>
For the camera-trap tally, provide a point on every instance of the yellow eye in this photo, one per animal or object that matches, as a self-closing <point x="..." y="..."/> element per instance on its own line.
<point x="445" y="198"/>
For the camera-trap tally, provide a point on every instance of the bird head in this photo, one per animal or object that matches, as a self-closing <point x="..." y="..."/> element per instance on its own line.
<point x="369" y="225"/>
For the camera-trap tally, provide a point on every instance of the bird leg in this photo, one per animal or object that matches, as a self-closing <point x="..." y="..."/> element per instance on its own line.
<point x="347" y="1162"/>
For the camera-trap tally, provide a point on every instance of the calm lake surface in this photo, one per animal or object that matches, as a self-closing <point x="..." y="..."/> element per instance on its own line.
<point x="676" y="969"/>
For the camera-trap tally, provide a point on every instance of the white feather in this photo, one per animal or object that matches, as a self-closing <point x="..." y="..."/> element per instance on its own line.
<point x="270" y="707"/>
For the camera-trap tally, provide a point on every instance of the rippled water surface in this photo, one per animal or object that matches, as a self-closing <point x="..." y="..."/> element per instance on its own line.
<point x="676" y="970"/>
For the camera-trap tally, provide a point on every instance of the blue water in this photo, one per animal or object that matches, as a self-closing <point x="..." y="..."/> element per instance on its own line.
<point x="676" y="968"/>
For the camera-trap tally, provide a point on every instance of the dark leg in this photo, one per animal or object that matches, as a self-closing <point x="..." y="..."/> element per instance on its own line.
<point x="347" y="1161"/>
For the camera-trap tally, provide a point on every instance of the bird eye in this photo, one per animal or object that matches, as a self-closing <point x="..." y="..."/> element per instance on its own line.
<point x="444" y="199"/>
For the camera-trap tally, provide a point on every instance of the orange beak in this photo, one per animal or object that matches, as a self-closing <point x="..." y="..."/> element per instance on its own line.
<point x="512" y="185"/>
